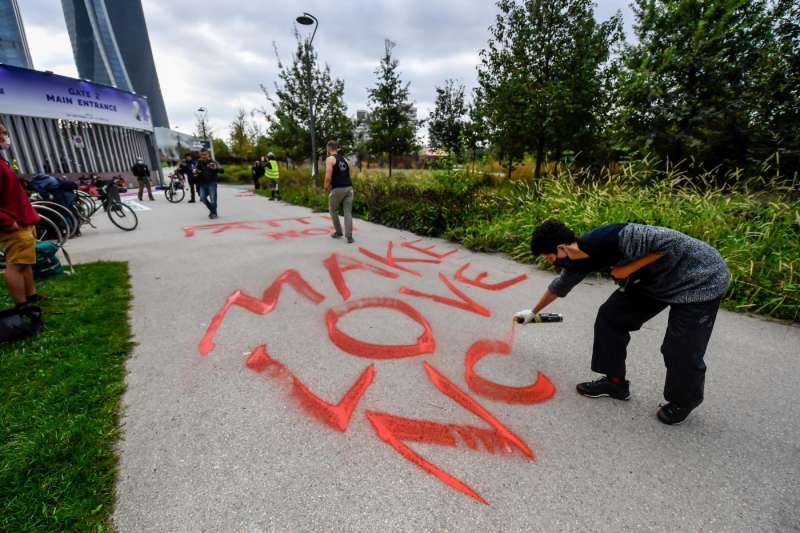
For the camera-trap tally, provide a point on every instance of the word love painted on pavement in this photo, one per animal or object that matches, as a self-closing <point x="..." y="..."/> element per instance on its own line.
<point x="495" y="437"/>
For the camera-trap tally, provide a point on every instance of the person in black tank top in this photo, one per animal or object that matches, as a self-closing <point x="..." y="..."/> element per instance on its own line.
<point x="339" y="187"/>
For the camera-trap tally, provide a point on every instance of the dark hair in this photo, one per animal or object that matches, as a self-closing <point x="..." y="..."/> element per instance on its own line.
<point x="333" y="145"/>
<point x="548" y="235"/>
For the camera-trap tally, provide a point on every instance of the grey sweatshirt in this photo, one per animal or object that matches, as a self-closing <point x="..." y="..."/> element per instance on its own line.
<point x="690" y="270"/>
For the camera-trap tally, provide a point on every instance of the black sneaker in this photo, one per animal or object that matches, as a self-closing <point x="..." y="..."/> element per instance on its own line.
<point x="672" y="413"/>
<point x="350" y="240"/>
<point x="605" y="387"/>
<point x="336" y="235"/>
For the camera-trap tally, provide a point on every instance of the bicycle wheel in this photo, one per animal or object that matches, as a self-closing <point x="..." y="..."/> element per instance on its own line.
<point x="175" y="192"/>
<point x="122" y="216"/>
<point x="73" y="221"/>
<point x="47" y="230"/>
<point x="55" y="221"/>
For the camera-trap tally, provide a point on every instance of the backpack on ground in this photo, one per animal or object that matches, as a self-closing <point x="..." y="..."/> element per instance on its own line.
<point x="47" y="263"/>
<point x="15" y="325"/>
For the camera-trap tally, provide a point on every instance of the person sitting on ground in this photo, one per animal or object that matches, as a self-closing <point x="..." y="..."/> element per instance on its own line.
<point x="142" y="173"/>
<point x="257" y="171"/>
<point x="656" y="268"/>
<point x="273" y="176"/>
<point x="206" y="175"/>
<point x="18" y="222"/>
<point x="338" y="182"/>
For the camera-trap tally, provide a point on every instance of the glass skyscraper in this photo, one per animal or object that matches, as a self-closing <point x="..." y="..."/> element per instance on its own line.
<point x="111" y="46"/>
<point x="13" y="45"/>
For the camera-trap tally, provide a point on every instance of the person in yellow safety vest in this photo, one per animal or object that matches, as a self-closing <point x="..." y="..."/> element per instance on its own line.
<point x="273" y="175"/>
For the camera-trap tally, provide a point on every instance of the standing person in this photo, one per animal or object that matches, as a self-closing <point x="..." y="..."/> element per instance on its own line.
<point x="656" y="268"/>
<point x="258" y="172"/>
<point x="273" y="176"/>
<point x="187" y="169"/>
<point x="339" y="187"/>
<point x="142" y="173"/>
<point x="18" y="238"/>
<point x="206" y="173"/>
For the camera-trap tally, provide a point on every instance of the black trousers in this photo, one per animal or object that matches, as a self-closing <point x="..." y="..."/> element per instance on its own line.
<point x="192" y="186"/>
<point x="688" y="331"/>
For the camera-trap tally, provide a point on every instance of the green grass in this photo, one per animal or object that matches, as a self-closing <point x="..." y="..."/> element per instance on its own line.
<point x="754" y="223"/>
<point x="59" y="405"/>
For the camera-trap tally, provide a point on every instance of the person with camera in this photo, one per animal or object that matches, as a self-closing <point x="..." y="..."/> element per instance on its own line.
<point x="18" y="222"/>
<point x="656" y="268"/>
<point x="206" y="174"/>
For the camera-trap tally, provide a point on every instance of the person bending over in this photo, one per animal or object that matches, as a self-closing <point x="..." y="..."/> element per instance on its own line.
<point x="656" y="268"/>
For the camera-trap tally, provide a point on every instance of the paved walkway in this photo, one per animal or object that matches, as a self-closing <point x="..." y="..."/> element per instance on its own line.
<point x="276" y="386"/>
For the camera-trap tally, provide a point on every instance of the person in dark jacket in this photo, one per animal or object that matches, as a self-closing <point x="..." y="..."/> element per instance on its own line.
<point x="18" y="238"/>
<point x="187" y="169"/>
<point x="258" y="172"/>
<point x="656" y="268"/>
<point x="206" y="175"/>
<point x="142" y="173"/>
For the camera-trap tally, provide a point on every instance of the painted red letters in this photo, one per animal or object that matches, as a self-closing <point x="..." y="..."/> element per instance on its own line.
<point x="394" y="262"/>
<point x="261" y="306"/>
<point x="427" y="250"/>
<point x="394" y="430"/>
<point x="464" y="302"/>
<point x="337" y="265"/>
<point x="425" y="342"/>
<point x="478" y="280"/>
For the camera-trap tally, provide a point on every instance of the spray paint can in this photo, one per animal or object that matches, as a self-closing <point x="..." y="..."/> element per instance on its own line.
<point x="541" y="318"/>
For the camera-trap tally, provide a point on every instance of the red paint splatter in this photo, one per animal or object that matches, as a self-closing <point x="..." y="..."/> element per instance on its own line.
<point x="464" y="302"/>
<point x="219" y="227"/>
<point x="425" y="342"/>
<point x="263" y="306"/>
<point x="428" y="250"/>
<point x="394" y="430"/>
<point x="295" y="234"/>
<point x="539" y="391"/>
<point x="478" y="280"/>
<point x="337" y="265"/>
<point x="394" y="262"/>
<point x="336" y="416"/>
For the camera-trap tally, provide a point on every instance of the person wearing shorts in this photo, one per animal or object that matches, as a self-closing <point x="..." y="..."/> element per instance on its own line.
<point x="18" y="238"/>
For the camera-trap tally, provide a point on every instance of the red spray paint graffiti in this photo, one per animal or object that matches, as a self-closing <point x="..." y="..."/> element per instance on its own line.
<point x="261" y="306"/>
<point x="427" y="250"/>
<point x="464" y="302"/>
<point x="251" y="225"/>
<point x="336" y="416"/>
<point x="478" y="280"/>
<point x="337" y="265"/>
<point x="393" y="430"/>
<point x="425" y="342"/>
<point x="390" y="260"/>
<point x="539" y="391"/>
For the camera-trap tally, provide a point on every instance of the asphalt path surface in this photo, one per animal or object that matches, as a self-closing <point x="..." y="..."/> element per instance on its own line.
<point x="297" y="416"/>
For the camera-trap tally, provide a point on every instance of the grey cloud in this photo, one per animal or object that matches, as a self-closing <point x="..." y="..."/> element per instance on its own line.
<point x="216" y="53"/>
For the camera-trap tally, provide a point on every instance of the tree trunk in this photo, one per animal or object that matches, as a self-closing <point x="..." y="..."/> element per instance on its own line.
<point x="390" y="164"/>
<point x="537" y="171"/>
<point x="510" y="167"/>
<point x="557" y="161"/>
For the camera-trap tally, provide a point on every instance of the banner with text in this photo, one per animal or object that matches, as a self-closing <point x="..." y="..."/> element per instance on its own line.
<point x="40" y="94"/>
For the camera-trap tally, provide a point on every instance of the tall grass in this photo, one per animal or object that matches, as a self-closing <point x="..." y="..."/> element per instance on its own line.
<point x="753" y="221"/>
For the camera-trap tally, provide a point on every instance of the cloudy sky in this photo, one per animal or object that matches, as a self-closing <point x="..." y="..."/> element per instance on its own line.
<point x="216" y="53"/>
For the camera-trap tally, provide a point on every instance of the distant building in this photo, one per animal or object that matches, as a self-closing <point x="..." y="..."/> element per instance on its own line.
<point x="112" y="47"/>
<point x="13" y="44"/>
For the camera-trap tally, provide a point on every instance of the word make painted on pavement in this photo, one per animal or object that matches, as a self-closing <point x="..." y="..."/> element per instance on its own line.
<point x="396" y="431"/>
<point x="260" y="225"/>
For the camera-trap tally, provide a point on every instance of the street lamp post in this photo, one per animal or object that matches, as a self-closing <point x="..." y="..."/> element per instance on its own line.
<point x="202" y="116"/>
<point x="307" y="19"/>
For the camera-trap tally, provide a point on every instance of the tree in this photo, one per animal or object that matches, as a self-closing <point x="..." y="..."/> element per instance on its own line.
<point x="393" y="126"/>
<point x="221" y="150"/>
<point x="539" y="77"/>
<point x="288" y="123"/>
<point x="446" y="122"/>
<point x="202" y="128"/>
<point x="702" y="82"/>
<point x="243" y="135"/>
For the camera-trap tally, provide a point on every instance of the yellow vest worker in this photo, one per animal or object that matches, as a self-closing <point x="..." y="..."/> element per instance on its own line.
<point x="273" y="174"/>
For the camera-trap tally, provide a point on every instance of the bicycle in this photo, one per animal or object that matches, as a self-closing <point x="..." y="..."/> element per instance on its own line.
<point x="108" y="199"/>
<point x="176" y="190"/>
